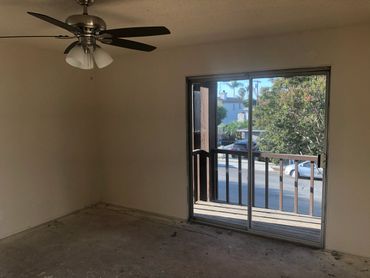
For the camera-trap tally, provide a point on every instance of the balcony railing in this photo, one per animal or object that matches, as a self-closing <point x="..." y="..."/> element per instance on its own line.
<point x="205" y="170"/>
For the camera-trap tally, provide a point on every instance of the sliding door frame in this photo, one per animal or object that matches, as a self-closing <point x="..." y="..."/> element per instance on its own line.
<point x="325" y="70"/>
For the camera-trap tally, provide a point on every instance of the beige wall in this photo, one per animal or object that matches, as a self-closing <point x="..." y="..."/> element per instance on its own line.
<point x="143" y="122"/>
<point x="48" y="164"/>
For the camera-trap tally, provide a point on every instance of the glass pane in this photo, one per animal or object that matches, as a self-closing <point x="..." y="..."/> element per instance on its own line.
<point x="232" y="174"/>
<point x="232" y="114"/>
<point x="289" y="121"/>
<point x="288" y="127"/>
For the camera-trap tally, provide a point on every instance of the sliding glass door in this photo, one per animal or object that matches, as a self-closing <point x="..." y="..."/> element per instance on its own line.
<point x="258" y="141"/>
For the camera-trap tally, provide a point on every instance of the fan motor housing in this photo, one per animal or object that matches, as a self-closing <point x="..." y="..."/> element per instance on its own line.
<point x="90" y="24"/>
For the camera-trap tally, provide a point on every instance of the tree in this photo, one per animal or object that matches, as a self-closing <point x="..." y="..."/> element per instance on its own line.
<point x="246" y="102"/>
<point x="221" y="114"/>
<point x="242" y="93"/>
<point x="233" y="85"/>
<point x="292" y="113"/>
<point x="230" y="130"/>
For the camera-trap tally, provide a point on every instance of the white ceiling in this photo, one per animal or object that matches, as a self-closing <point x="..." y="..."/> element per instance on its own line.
<point x="191" y="21"/>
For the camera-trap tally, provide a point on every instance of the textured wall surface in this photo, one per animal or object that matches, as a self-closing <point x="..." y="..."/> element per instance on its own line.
<point x="143" y="122"/>
<point x="48" y="157"/>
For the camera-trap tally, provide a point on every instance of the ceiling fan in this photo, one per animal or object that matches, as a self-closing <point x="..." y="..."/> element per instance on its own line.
<point x="88" y="30"/>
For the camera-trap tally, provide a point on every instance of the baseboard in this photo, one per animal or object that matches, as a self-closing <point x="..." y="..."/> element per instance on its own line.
<point x="142" y="212"/>
<point x="45" y="222"/>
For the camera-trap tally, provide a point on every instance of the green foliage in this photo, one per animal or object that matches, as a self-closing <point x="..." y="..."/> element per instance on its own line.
<point x="230" y="130"/>
<point x="292" y="113"/>
<point x="221" y="114"/>
<point x="246" y="102"/>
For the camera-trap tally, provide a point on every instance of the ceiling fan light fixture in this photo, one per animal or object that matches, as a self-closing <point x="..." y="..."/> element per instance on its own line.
<point x="102" y="58"/>
<point x="74" y="57"/>
<point x="80" y="58"/>
<point x="87" y="61"/>
<point x="88" y="30"/>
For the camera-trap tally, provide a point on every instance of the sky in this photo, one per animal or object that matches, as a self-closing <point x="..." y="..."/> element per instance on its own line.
<point x="262" y="82"/>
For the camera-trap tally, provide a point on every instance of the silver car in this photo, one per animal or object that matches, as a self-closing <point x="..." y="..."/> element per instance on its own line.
<point x="304" y="170"/>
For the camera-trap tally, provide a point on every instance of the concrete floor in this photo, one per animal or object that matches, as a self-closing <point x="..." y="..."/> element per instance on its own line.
<point x="113" y="242"/>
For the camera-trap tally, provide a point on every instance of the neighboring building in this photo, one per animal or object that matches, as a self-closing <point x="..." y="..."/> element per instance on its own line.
<point x="234" y="107"/>
<point x="243" y="116"/>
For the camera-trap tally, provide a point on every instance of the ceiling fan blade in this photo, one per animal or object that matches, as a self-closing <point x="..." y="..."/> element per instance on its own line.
<point x="129" y="44"/>
<point x="56" y="22"/>
<point x="138" y="32"/>
<point x="25" y="37"/>
<point x="69" y="48"/>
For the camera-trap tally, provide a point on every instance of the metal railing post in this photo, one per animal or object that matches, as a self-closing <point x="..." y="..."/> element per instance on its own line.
<point x="296" y="186"/>
<point x="312" y="183"/>
<point x="240" y="179"/>
<point x="281" y="185"/>
<point x="266" y="182"/>
<point x="227" y="179"/>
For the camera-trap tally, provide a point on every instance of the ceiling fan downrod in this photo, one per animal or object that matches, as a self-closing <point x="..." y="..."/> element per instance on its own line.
<point x="85" y="4"/>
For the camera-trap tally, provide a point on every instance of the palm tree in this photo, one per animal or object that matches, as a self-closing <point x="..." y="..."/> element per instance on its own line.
<point x="242" y="92"/>
<point x="233" y="85"/>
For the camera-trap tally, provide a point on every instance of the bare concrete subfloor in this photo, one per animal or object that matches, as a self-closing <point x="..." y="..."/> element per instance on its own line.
<point x="112" y="242"/>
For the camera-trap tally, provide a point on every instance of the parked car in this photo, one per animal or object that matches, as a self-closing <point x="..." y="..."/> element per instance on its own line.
<point x="304" y="170"/>
<point x="241" y="146"/>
